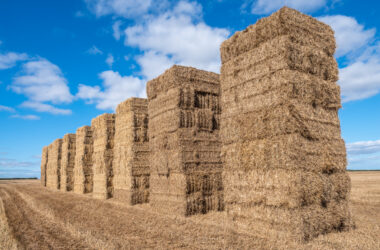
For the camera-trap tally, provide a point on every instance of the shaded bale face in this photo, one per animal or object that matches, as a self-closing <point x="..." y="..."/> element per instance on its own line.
<point x="68" y="162"/>
<point x="44" y="162"/>
<point x="284" y="159"/>
<point x="83" y="169"/>
<point x="184" y="113"/>
<point x="54" y="164"/>
<point x="131" y="152"/>
<point x="103" y="128"/>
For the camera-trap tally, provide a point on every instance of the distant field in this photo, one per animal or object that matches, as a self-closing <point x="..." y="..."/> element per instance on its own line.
<point x="33" y="217"/>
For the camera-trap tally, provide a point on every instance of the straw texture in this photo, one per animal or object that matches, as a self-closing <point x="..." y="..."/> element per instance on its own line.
<point x="83" y="170"/>
<point x="103" y="128"/>
<point x="44" y="161"/>
<point x="54" y="165"/>
<point x="131" y="152"/>
<point x="184" y="141"/>
<point x="284" y="158"/>
<point x="68" y="162"/>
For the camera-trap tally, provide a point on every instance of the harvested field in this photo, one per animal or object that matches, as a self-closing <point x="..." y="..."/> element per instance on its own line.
<point x="34" y="217"/>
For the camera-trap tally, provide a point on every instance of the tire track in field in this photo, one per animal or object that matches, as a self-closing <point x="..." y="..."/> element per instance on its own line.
<point x="31" y="230"/>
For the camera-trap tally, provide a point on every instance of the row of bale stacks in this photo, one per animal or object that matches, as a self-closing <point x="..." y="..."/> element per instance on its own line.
<point x="185" y="165"/>
<point x="284" y="159"/>
<point x="103" y="132"/>
<point x="53" y="174"/>
<point x="83" y="173"/>
<point x="131" y="152"/>
<point x="44" y="161"/>
<point x="68" y="162"/>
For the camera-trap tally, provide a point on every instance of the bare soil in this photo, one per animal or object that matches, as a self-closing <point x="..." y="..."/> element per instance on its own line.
<point x="33" y="217"/>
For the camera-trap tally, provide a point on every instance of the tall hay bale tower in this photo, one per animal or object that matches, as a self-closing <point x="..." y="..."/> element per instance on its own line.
<point x="44" y="161"/>
<point x="285" y="160"/>
<point x="183" y="108"/>
<point x="68" y="162"/>
<point x="103" y="128"/>
<point x="54" y="164"/>
<point x="83" y="171"/>
<point x="131" y="151"/>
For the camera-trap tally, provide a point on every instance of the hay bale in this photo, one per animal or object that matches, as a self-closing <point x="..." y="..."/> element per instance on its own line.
<point x="131" y="152"/>
<point x="44" y="161"/>
<point x="54" y="164"/>
<point x="284" y="159"/>
<point x="184" y="111"/>
<point x="68" y="162"/>
<point x="83" y="170"/>
<point x="103" y="128"/>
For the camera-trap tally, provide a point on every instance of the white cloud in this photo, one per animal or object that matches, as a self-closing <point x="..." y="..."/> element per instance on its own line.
<point x="42" y="81"/>
<point x="116" y="29"/>
<point x="178" y="36"/>
<point x="43" y="107"/>
<point x="116" y="88"/>
<point x="26" y="117"/>
<point x="360" y="77"/>
<point x="10" y="59"/>
<point x="350" y="35"/>
<point x="268" y="6"/>
<point x="110" y="60"/>
<point x="363" y="147"/>
<point x="6" y="108"/>
<point x="94" y="51"/>
<point x="124" y="8"/>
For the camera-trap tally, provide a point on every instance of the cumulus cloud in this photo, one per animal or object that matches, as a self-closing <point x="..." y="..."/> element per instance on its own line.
<point x="360" y="76"/>
<point x="43" y="107"/>
<point x="42" y="81"/>
<point x="6" y="108"/>
<point x="350" y="35"/>
<point x="124" y="8"/>
<point x="26" y="117"/>
<point x="9" y="60"/>
<point x="115" y="89"/>
<point x="265" y="7"/>
<point x="94" y="51"/>
<point x="178" y="36"/>
<point x="110" y="60"/>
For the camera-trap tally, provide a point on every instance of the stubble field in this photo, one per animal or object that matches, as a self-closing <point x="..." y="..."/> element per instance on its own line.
<point x="33" y="217"/>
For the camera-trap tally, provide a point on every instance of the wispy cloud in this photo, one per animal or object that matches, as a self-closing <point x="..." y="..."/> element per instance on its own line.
<point x="94" y="51"/>
<point x="26" y="117"/>
<point x="116" y="29"/>
<point x="9" y="60"/>
<point x="7" y="162"/>
<point x="363" y="147"/>
<point x="261" y="7"/>
<point x="364" y="155"/>
<point x="124" y="8"/>
<point x="110" y="60"/>
<point x="43" y="107"/>
<point x="6" y="108"/>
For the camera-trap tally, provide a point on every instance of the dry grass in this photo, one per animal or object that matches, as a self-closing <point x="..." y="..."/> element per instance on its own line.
<point x="34" y="217"/>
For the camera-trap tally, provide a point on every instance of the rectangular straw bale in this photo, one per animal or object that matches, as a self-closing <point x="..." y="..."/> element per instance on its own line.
<point x="289" y="152"/>
<point x="103" y="128"/>
<point x="302" y="29"/>
<point x="83" y="169"/>
<point x="68" y="162"/>
<point x="284" y="159"/>
<point x="131" y="151"/>
<point x="44" y="161"/>
<point x="277" y="88"/>
<point x="54" y="164"/>
<point x="184" y="113"/>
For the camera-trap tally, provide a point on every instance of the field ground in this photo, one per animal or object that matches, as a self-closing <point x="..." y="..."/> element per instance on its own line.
<point x="33" y="217"/>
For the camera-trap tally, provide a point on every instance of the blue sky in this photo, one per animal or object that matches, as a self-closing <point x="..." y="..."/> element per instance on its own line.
<point x="62" y="63"/>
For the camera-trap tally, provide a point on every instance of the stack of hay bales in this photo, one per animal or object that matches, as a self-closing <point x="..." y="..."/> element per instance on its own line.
<point x="184" y="141"/>
<point x="83" y="173"/>
<point x="103" y="128"/>
<point x="131" y="152"/>
<point x="54" y="164"/>
<point x="285" y="161"/>
<point x="68" y="162"/>
<point x="44" y="161"/>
